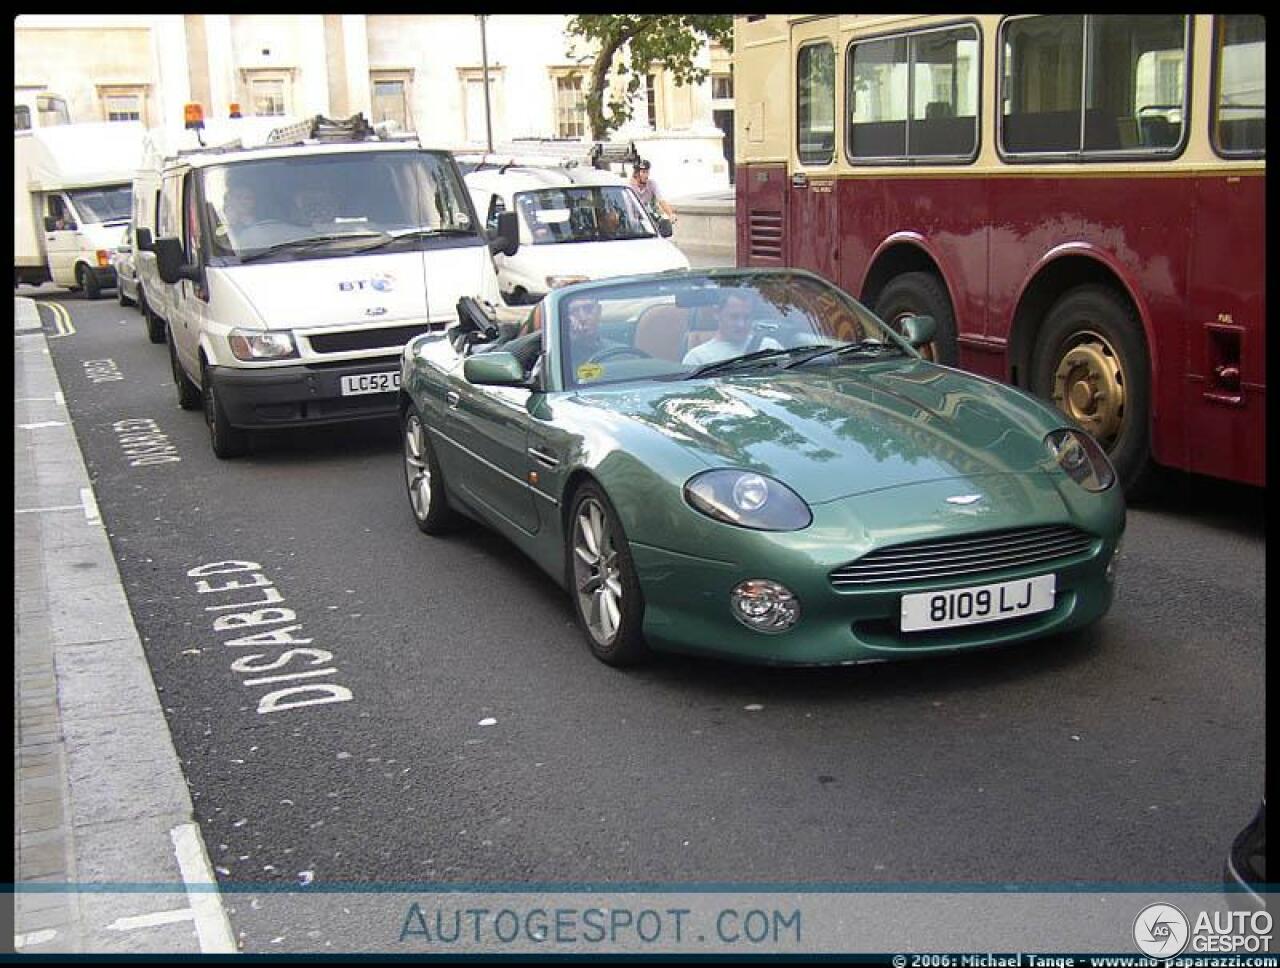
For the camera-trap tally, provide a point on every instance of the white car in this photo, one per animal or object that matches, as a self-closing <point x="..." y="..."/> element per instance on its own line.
<point x="126" y="269"/>
<point x="575" y="224"/>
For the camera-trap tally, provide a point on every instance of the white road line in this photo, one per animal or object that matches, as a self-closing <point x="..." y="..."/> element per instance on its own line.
<point x="34" y="937"/>
<point x="63" y="507"/>
<point x="212" y="926"/>
<point x="151" y="920"/>
<point x="42" y="423"/>
<point x="90" y="506"/>
<point x="59" y="399"/>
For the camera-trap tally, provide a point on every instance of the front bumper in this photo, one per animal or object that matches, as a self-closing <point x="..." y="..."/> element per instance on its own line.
<point x="687" y="596"/>
<point x="300" y="396"/>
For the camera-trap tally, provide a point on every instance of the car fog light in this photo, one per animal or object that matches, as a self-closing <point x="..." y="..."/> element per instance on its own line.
<point x="764" y="606"/>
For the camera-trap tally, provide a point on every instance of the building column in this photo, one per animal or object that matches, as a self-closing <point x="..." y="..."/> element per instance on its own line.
<point x="173" y="82"/>
<point x="355" y="48"/>
<point x="314" y="71"/>
<point x="223" y="86"/>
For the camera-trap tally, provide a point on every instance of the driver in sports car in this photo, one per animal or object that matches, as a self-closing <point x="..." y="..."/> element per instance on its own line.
<point x="585" y="341"/>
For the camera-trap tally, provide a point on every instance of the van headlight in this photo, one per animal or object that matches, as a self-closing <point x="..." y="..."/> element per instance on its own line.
<point x="251" y="345"/>
<point x="1080" y="456"/>
<point x="747" y="499"/>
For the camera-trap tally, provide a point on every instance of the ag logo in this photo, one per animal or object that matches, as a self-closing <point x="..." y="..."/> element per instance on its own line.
<point x="1161" y="931"/>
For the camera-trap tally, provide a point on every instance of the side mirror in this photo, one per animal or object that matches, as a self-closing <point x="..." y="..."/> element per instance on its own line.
<point x="169" y="262"/>
<point x="142" y="240"/>
<point x="665" y="229"/>
<point x="919" y="330"/>
<point x="495" y="368"/>
<point x="506" y="238"/>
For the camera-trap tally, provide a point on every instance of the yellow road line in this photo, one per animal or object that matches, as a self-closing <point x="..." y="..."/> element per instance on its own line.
<point x="61" y="320"/>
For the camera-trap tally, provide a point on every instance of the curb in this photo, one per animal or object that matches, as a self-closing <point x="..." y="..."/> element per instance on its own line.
<point x="99" y="794"/>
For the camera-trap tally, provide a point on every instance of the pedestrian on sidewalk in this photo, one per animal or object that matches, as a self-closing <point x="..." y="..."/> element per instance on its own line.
<point x="651" y="196"/>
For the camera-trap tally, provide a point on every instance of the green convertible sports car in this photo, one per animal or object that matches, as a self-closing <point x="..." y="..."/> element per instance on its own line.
<point x="748" y="463"/>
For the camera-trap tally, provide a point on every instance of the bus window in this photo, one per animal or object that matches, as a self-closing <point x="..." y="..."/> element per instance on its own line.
<point x="1132" y="70"/>
<point x="915" y="96"/>
<point x="1240" y="86"/>
<point x="816" y="104"/>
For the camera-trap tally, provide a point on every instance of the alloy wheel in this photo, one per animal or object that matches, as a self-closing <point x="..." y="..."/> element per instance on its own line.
<point x="597" y="579"/>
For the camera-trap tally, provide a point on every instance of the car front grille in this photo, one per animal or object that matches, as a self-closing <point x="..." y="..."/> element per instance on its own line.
<point x="968" y="555"/>
<point x="369" y="339"/>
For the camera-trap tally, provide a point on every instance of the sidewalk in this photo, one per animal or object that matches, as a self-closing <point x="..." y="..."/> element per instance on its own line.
<point x="99" y="796"/>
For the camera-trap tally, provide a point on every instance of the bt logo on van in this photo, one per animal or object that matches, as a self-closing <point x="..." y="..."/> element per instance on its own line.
<point x="382" y="282"/>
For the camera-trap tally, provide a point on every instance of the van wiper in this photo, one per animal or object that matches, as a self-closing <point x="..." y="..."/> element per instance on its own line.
<point x="873" y="346"/>
<point x="735" y="361"/>
<point x="423" y="233"/>
<point x="309" y="242"/>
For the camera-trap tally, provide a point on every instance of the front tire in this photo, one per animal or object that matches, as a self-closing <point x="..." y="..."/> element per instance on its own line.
<point x="921" y="294"/>
<point x="603" y="581"/>
<point x="227" y="441"/>
<point x="431" y="511"/>
<point x="1091" y="363"/>
<point x="189" y="396"/>
<point x="88" y="281"/>
<point x="155" y="325"/>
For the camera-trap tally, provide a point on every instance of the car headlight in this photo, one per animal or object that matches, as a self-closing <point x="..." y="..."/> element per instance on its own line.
<point x="1080" y="456"/>
<point x="555" y="282"/>
<point x="258" y="344"/>
<point x="748" y="500"/>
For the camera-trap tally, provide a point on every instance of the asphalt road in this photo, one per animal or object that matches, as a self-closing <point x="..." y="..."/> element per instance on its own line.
<point x="1130" y="753"/>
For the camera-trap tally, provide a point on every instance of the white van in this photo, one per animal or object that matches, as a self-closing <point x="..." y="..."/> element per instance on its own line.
<point x="72" y="201"/>
<point x="295" y="272"/>
<point x="575" y="223"/>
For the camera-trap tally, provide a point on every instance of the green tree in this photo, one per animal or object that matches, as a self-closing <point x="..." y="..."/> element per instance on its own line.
<point x="637" y="42"/>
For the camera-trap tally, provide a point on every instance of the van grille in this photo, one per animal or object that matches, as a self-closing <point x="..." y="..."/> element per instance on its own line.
<point x="765" y="235"/>
<point x="970" y="555"/>
<point x="369" y="339"/>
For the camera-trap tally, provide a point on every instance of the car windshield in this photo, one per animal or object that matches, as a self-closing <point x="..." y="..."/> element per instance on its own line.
<point x="111" y="203"/>
<point x="332" y="203"/>
<point x="697" y="325"/>
<point x="583" y="213"/>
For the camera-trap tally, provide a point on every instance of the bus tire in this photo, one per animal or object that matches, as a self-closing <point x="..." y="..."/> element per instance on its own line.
<point x="921" y="294"/>
<point x="1091" y="363"/>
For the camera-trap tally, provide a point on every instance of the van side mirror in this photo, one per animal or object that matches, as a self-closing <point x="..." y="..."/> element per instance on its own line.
<point x="142" y="240"/>
<point x="506" y="238"/>
<point x="665" y="228"/>
<point x="919" y="330"/>
<point x="169" y="262"/>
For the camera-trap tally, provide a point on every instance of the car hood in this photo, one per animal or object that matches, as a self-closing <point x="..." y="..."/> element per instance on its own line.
<point x="844" y="430"/>
<point x="309" y="293"/>
<point x="598" y="260"/>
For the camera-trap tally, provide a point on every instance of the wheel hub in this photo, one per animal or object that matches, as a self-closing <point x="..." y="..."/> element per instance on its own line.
<point x="1088" y="386"/>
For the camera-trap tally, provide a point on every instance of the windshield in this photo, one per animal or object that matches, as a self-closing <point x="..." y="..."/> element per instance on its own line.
<point x="583" y="213"/>
<point x="663" y="328"/>
<point x="111" y="203"/>
<point x="267" y="204"/>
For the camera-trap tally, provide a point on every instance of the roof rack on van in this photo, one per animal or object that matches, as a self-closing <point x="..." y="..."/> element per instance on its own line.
<point x="548" y="153"/>
<point x="320" y="128"/>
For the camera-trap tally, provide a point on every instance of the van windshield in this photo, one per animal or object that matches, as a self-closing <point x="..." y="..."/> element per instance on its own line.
<point x="583" y="213"/>
<point x="110" y="203"/>
<point x="261" y="208"/>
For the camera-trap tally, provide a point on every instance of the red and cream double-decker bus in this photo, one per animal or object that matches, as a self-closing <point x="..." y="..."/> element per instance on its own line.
<point x="1077" y="199"/>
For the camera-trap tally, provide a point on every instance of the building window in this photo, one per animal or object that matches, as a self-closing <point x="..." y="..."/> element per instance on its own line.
<point x="123" y="103"/>
<point x="21" y="117"/>
<point x="390" y="101"/>
<point x="51" y="110"/>
<point x="721" y="86"/>
<point x="268" y="93"/>
<point x="476" y="131"/>
<point x="571" y="107"/>
<point x="651" y="101"/>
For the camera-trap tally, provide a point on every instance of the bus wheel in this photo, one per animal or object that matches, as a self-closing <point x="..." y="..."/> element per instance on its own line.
<point x="921" y="294"/>
<point x="1091" y="362"/>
